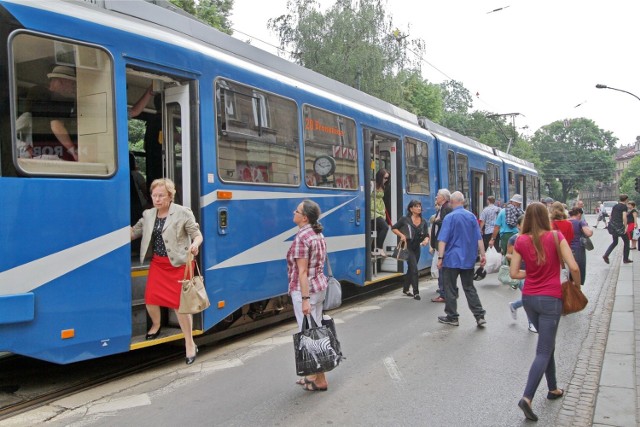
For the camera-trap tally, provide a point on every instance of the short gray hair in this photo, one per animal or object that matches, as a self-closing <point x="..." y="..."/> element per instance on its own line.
<point x="457" y="197"/>
<point x="444" y="193"/>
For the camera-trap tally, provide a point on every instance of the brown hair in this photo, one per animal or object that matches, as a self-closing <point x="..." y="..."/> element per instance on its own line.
<point x="557" y="211"/>
<point x="535" y="224"/>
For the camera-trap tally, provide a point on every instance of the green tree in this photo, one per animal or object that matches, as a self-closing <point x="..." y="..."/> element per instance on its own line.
<point x="353" y="42"/>
<point x="457" y="98"/>
<point x="212" y="12"/>
<point x="628" y="180"/>
<point x="575" y="154"/>
<point x="421" y="97"/>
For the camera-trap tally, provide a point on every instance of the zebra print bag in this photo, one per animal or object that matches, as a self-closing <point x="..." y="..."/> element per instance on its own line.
<point x="315" y="348"/>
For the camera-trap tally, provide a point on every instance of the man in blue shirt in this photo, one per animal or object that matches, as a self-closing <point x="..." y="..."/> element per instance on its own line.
<point x="459" y="242"/>
<point x="506" y="225"/>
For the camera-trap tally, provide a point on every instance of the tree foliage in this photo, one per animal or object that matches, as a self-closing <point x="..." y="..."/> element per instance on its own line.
<point x="575" y="154"/>
<point x="212" y="12"/>
<point x="355" y="43"/>
<point x="457" y="98"/>
<point x="628" y="180"/>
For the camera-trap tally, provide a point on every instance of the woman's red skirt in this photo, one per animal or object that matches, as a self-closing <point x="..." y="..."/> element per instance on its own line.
<point x="164" y="283"/>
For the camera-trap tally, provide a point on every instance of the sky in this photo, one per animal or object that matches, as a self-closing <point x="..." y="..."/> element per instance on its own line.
<point x="539" y="58"/>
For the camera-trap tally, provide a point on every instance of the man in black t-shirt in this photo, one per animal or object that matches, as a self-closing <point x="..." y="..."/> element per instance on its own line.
<point x="617" y="229"/>
<point x="54" y="115"/>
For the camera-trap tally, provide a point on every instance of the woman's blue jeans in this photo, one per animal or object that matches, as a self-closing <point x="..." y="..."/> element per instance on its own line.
<point x="544" y="312"/>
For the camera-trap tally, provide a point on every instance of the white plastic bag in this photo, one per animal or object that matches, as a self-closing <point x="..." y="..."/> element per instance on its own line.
<point x="434" y="266"/>
<point x="494" y="260"/>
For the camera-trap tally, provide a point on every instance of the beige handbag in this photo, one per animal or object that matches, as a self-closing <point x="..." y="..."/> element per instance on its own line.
<point x="193" y="298"/>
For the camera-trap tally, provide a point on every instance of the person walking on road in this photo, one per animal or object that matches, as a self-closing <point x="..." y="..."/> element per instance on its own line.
<point x="602" y="215"/>
<point x="505" y="225"/>
<point x="307" y="282"/>
<point x="515" y="305"/>
<point x="580" y="229"/>
<point x="488" y="220"/>
<point x="412" y="229"/>
<point x="618" y="229"/>
<point x="442" y="200"/>
<point x="458" y="247"/>
<point x="632" y="222"/>
<point x="538" y="247"/>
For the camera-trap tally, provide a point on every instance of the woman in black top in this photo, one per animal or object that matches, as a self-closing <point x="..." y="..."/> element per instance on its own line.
<point x="618" y="228"/>
<point x="413" y="230"/>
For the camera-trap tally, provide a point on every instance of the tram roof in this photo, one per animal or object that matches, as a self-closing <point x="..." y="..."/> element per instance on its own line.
<point x="166" y="15"/>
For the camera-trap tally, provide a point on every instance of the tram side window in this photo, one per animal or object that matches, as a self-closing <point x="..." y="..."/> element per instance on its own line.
<point x="330" y="151"/>
<point x="63" y="104"/>
<point x="512" y="183"/>
<point x="417" y="166"/>
<point x="462" y="164"/>
<point x="451" y="170"/>
<point x="257" y="135"/>
<point x="493" y="189"/>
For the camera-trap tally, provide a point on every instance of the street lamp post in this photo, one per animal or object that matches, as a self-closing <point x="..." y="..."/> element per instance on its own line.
<point x="601" y="86"/>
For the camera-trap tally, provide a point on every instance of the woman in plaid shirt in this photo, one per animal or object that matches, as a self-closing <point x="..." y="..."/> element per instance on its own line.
<point x="307" y="282"/>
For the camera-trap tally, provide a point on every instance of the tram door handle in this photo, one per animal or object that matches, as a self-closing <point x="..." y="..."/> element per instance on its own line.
<point x="223" y="220"/>
<point x="356" y="217"/>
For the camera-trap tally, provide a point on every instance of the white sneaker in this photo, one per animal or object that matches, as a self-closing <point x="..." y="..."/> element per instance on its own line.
<point x="532" y="328"/>
<point x="514" y="311"/>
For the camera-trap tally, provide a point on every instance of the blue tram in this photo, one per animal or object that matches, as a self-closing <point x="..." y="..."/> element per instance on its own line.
<point x="245" y="135"/>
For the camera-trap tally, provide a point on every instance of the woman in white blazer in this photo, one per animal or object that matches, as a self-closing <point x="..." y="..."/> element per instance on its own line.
<point x="169" y="232"/>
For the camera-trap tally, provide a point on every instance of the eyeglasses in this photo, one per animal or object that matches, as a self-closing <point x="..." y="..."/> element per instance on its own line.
<point x="158" y="196"/>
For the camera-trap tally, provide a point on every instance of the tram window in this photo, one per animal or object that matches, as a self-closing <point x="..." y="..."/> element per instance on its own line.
<point x="417" y="166"/>
<point x="493" y="187"/>
<point x="330" y="152"/>
<point x="257" y="135"/>
<point x="462" y="164"/>
<point x="63" y="104"/>
<point x="451" y="170"/>
<point x="512" y="183"/>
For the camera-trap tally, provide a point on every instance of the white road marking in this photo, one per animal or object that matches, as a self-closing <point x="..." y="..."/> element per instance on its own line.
<point x="392" y="370"/>
<point x="119" y="404"/>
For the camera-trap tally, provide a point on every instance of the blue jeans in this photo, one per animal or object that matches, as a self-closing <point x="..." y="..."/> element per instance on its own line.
<point x="544" y="312"/>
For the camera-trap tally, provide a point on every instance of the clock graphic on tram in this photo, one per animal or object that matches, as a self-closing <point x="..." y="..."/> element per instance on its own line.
<point x="324" y="165"/>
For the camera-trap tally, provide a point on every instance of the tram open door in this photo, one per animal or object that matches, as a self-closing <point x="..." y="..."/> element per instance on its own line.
<point x="171" y="151"/>
<point x="381" y="153"/>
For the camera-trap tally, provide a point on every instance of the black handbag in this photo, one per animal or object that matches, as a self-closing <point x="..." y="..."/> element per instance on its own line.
<point x="401" y="253"/>
<point x="315" y="348"/>
<point x="616" y="229"/>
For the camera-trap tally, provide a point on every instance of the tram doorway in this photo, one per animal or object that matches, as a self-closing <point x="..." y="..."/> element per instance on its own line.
<point x="381" y="158"/>
<point x="160" y="113"/>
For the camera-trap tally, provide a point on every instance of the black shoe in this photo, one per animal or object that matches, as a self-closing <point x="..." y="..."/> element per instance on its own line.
<point x="528" y="412"/>
<point x="416" y="297"/>
<point x="190" y="360"/>
<point x="553" y="396"/>
<point x="407" y="293"/>
<point x="448" y="320"/>
<point x="155" y="335"/>
<point x="627" y="261"/>
<point x="605" y="258"/>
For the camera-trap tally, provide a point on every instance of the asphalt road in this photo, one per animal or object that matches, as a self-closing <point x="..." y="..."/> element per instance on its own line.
<point x="403" y="368"/>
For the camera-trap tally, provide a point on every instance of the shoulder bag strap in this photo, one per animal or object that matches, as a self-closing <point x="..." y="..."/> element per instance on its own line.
<point x="555" y="238"/>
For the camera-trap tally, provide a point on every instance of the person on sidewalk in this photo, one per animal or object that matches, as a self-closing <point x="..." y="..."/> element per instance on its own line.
<point x="580" y="229"/>
<point x="539" y="248"/>
<point x="632" y="222"/>
<point x="442" y="200"/>
<point x="618" y="229"/>
<point x="458" y="247"/>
